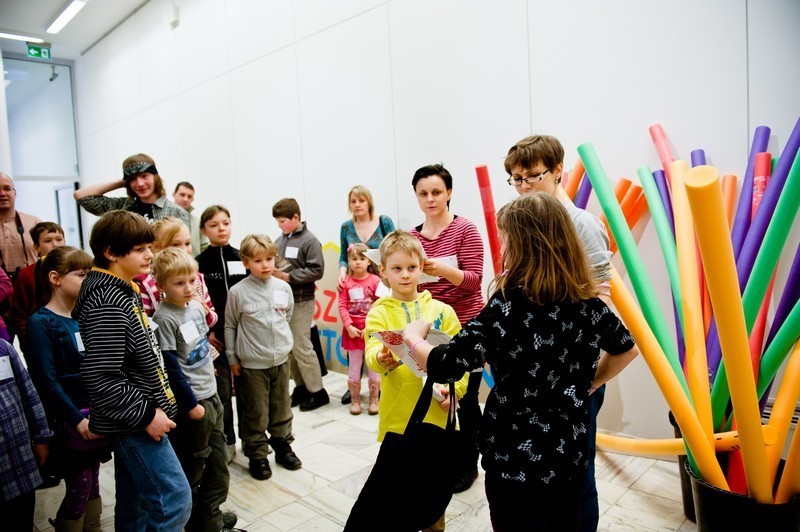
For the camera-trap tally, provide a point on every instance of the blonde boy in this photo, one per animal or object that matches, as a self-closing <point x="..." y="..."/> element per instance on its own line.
<point x="198" y="439"/>
<point x="258" y="340"/>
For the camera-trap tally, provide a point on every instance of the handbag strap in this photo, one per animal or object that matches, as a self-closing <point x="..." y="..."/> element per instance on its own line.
<point x="424" y="404"/>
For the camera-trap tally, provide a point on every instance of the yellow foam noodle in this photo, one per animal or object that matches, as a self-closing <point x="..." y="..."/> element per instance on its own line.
<point x="693" y="433"/>
<point x="723" y="442"/>
<point x="782" y="411"/>
<point x="790" y="478"/>
<point x="705" y="200"/>
<point x="696" y="364"/>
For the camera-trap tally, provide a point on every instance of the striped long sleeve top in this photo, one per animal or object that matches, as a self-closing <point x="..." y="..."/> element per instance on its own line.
<point x="123" y="369"/>
<point x="462" y="239"/>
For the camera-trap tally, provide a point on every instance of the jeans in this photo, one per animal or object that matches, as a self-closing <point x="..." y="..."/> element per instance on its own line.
<point x="152" y="491"/>
<point x="590" y="512"/>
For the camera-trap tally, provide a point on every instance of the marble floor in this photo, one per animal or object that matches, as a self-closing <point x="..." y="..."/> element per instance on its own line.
<point x="338" y="449"/>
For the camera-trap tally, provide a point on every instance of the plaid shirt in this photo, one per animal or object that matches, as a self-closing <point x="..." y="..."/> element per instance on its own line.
<point x="99" y="205"/>
<point x="22" y="422"/>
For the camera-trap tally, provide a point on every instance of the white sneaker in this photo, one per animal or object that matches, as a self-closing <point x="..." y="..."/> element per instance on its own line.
<point x="230" y="452"/>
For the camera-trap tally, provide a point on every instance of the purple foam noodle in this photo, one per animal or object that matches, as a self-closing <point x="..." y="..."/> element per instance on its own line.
<point x="698" y="158"/>
<point x="741" y="225"/>
<point x="584" y="191"/>
<point x="679" y="334"/>
<point x="791" y="293"/>
<point x="741" y="221"/>
<point x="663" y="190"/>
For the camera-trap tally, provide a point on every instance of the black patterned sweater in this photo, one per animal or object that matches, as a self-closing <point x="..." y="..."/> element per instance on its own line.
<point x="543" y="359"/>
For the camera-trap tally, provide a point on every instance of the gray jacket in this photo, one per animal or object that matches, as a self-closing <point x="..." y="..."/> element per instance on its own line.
<point x="305" y="261"/>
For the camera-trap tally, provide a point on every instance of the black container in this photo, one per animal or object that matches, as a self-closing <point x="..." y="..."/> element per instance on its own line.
<point x="686" y="485"/>
<point x="720" y="510"/>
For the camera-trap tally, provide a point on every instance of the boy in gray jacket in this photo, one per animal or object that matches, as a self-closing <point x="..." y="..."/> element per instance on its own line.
<point x="257" y="342"/>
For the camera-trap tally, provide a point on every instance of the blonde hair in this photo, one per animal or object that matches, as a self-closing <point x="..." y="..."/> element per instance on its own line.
<point x="543" y="253"/>
<point x="361" y="192"/>
<point x="254" y="245"/>
<point x="402" y="241"/>
<point x="355" y="251"/>
<point x="165" y="231"/>
<point x="170" y="262"/>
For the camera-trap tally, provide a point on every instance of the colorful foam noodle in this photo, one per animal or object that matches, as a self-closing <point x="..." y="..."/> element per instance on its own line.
<point x="663" y="190"/>
<point x="695" y="363"/>
<point x="584" y="191"/>
<point x="729" y="182"/>
<point x="705" y="200"/>
<point x="489" y="215"/>
<point x="701" y="457"/>
<point x="698" y="157"/>
<point x="662" y="147"/>
<point x="630" y="256"/>
<point x="782" y="411"/>
<point x="723" y="442"/>
<point x="574" y="181"/>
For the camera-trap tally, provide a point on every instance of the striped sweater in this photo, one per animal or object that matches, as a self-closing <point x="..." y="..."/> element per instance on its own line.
<point x="462" y="239"/>
<point x="123" y="369"/>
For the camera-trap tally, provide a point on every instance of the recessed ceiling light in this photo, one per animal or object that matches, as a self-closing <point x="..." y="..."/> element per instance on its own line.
<point x="65" y="16"/>
<point x="18" y="37"/>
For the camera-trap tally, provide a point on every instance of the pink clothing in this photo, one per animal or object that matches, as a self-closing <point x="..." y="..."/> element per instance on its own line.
<point x="355" y="300"/>
<point x="355" y="359"/>
<point x="151" y="297"/>
<point x="462" y="239"/>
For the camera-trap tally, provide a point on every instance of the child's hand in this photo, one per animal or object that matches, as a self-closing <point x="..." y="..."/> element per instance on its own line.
<point x="200" y="300"/>
<point x="160" y="425"/>
<point x="283" y="276"/>
<point x="444" y="404"/>
<point x="41" y="451"/>
<point x="197" y="412"/>
<point x="354" y="332"/>
<point x="217" y="343"/>
<point x="386" y="359"/>
<point x="83" y="430"/>
<point x="236" y="370"/>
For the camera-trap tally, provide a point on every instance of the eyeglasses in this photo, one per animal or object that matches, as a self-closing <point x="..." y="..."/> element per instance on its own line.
<point x="530" y="180"/>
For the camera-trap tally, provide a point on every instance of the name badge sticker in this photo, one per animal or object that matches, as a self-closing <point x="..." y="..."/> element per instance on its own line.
<point x="291" y="253"/>
<point x="356" y="293"/>
<point x="382" y="290"/>
<point x="79" y="342"/>
<point x="236" y="267"/>
<point x="5" y="369"/>
<point x="281" y="299"/>
<point x="189" y="331"/>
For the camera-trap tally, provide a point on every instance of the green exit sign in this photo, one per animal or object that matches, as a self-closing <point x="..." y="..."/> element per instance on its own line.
<point x="40" y="52"/>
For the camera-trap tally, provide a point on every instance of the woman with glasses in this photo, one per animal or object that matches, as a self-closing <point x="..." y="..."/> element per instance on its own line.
<point x="455" y="255"/>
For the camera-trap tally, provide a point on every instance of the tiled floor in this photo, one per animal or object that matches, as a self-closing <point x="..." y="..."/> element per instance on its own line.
<point x="337" y="451"/>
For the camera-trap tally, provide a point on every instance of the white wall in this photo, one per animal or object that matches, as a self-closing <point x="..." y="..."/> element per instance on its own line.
<point x="253" y="101"/>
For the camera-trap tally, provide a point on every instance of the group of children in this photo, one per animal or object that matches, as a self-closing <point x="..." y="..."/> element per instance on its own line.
<point x="136" y="355"/>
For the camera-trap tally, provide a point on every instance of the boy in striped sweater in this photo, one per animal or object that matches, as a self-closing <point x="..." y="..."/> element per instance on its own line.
<point x="131" y="402"/>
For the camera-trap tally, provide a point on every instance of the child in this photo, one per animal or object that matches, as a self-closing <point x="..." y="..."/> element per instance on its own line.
<point x="534" y="164"/>
<point x="131" y="400"/>
<point x="401" y="266"/>
<point x="541" y="333"/>
<point x="198" y="439"/>
<point x="301" y="249"/>
<point x="23" y="445"/>
<point x="171" y="232"/>
<point x="222" y="268"/>
<point x="45" y="236"/>
<point x="355" y="300"/>
<point x="54" y="360"/>
<point x="258" y="340"/>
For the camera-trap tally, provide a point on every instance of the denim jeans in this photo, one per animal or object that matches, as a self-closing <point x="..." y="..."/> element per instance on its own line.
<point x="590" y="511"/>
<point x="152" y="491"/>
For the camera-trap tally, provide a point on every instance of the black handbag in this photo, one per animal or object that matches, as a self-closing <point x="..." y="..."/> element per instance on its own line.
<point x="417" y="470"/>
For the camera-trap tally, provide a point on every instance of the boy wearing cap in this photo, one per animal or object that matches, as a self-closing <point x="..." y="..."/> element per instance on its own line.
<point x="146" y="194"/>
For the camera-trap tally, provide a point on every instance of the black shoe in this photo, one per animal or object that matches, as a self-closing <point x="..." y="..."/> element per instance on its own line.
<point x="259" y="469"/>
<point x="346" y="398"/>
<point x="465" y="482"/>
<point x="288" y="459"/>
<point x="299" y="394"/>
<point x="48" y="481"/>
<point x="316" y="400"/>
<point x="229" y="522"/>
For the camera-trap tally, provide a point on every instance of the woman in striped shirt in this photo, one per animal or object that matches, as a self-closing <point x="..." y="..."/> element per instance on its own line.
<point x="455" y="255"/>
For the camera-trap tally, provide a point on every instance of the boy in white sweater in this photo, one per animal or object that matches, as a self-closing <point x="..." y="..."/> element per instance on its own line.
<point x="257" y="342"/>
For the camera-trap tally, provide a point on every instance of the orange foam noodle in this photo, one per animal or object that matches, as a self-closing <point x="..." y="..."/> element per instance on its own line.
<point x="637" y="211"/>
<point x="782" y="411"/>
<point x="632" y="194"/>
<point x="574" y="181"/>
<point x="705" y="199"/>
<point x="667" y="380"/>
<point x="723" y="442"/>
<point x="621" y="188"/>
<point x="729" y="195"/>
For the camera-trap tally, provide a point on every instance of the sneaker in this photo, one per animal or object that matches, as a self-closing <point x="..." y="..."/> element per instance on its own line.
<point x="465" y="482"/>
<point x="299" y="394"/>
<point x="230" y="452"/>
<point x="259" y="469"/>
<point x="316" y="400"/>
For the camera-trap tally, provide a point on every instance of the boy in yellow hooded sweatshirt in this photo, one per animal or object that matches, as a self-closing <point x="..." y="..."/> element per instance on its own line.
<point x="401" y="266"/>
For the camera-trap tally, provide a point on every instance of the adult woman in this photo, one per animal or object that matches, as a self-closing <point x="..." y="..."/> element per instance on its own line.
<point x="146" y="194"/>
<point x="455" y="255"/>
<point x="366" y="227"/>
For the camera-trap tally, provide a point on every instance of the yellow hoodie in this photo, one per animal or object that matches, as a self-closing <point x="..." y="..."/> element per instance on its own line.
<point x="400" y="388"/>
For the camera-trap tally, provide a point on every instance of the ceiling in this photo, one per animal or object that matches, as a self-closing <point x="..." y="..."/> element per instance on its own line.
<point x="31" y="17"/>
